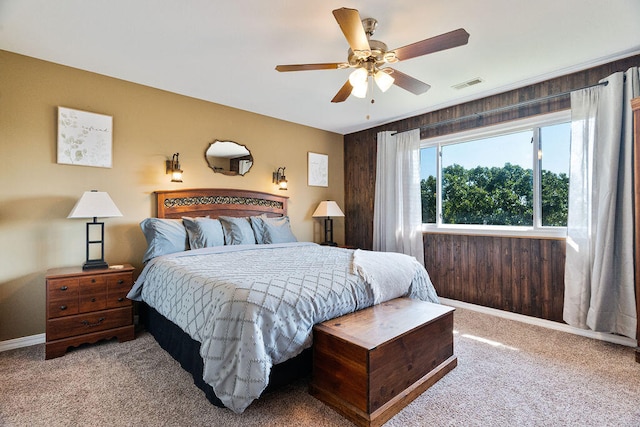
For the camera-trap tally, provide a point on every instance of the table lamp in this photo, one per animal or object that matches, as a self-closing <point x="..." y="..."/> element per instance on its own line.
<point x="94" y="204"/>
<point x="328" y="209"/>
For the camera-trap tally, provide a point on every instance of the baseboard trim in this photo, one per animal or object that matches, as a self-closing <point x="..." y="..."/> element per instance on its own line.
<point x="615" y="339"/>
<point x="22" y="342"/>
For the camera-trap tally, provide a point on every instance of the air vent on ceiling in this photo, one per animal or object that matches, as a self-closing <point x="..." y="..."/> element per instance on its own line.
<point x="468" y="83"/>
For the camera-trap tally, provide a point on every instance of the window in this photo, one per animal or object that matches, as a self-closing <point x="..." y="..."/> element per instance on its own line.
<point x="554" y="159"/>
<point x="511" y="177"/>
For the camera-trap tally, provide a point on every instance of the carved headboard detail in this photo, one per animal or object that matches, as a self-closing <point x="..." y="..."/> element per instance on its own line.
<point x="216" y="202"/>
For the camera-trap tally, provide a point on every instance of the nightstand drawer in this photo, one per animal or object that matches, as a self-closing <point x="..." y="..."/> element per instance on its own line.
<point x="62" y="289"/>
<point x="93" y="294"/>
<point x="118" y="287"/>
<point x="62" y="297"/>
<point x="62" y="307"/>
<point x="85" y="323"/>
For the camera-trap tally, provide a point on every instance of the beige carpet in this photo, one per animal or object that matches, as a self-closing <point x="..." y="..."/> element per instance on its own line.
<point x="508" y="374"/>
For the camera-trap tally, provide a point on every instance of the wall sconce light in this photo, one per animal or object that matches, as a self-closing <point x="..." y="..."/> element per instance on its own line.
<point x="173" y="168"/>
<point x="327" y="209"/>
<point x="94" y="204"/>
<point x="280" y="179"/>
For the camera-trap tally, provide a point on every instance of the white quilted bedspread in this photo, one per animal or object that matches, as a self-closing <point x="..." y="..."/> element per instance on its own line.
<point x="254" y="306"/>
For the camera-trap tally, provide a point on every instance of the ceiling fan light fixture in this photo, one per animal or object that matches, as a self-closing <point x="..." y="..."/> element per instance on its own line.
<point x="366" y="55"/>
<point x="360" y="90"/>
<point x="383" y="80"/>
<point x="358" y="77"/>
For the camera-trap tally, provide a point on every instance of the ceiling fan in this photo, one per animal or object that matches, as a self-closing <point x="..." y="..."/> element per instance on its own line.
<point x="368" y="57"/>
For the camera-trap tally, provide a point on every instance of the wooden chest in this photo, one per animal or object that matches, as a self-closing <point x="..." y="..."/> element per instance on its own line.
<point x="87" y="306"/>
<point x="370" y="364"/>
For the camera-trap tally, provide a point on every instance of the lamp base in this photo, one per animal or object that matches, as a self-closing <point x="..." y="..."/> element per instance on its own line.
<point x="329" y="244"/>
<point x="95" y="265"/>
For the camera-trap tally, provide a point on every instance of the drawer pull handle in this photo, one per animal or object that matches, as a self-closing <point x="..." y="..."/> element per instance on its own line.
<point x="63" y="307"/>
<point x="89" y="324"/>
<point x="120" y="282"/>
<point x="64" y="288"/>
<point x="120" y="299"/>
<point x="93" y="300"/>
<point x="93" y="280"/>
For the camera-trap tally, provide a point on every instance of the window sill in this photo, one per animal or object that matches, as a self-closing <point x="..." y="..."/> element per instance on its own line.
<point x="498" y="231"/>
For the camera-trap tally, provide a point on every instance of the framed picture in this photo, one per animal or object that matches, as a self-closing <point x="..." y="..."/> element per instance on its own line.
<point x="318" y="170"/>
<point x="84" y="138"/>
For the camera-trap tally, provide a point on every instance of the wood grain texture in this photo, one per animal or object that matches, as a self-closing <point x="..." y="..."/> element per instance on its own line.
<point x="87" y="306"/>
<point x="86" y="323"/>
<point x="371" y="363"/>
<point x="520" y="275"/>
<point x="216" y="202"/>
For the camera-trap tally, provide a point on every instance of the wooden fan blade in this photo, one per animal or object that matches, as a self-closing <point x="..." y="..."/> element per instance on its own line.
<point x="408" y="83"/>
<point x="308" y="67"/>
<point x="351" y="25"/>
<point x="444" y="41"/>
<point x="343" y="93"/>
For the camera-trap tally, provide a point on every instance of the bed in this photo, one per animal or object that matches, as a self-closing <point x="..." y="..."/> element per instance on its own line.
<point x="238" y="313"/>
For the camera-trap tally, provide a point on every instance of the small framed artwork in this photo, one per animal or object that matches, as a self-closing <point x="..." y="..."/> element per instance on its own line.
<point x="318" y="170"/>
<point x="84" y="138"/>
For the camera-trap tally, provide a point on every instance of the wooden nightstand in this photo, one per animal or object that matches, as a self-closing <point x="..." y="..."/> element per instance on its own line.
<point x="87" y="306"/>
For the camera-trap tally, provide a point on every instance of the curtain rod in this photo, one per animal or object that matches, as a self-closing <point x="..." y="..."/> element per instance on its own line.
<point x="508" y="107"/>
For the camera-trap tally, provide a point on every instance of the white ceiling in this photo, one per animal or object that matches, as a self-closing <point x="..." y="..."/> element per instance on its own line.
<point x="225" y="51"/>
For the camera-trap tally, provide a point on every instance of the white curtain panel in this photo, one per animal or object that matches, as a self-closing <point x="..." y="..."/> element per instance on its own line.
<point x="599" y="276"/>
<point x="397" y="212"/>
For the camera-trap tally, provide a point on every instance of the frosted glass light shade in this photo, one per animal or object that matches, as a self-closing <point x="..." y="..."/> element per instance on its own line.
<point x="94" y="204"/>
<point x="360" y="91"/>
<point x="383" y="80"/>
<point x="358" y="77"/>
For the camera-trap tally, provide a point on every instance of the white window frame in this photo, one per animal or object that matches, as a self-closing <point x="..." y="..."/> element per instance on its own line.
<point x="537" y="230"/>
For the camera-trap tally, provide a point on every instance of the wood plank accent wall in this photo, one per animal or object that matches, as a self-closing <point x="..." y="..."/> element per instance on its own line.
<point x="360" y="152"/>
<point x="520" y="275"/>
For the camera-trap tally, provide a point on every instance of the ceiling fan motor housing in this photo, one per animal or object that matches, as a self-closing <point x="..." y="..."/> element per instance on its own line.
<point x="378" y="55"/>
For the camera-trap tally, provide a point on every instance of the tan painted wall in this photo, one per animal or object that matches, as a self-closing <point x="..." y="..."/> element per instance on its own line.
<point x="149" y="125"/>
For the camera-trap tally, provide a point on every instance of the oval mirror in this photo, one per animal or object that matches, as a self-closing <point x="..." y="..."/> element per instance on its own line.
<point x="228" y="157"/>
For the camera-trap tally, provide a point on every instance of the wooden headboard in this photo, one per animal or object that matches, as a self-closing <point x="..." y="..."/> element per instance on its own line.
<point x="216" y="202"/>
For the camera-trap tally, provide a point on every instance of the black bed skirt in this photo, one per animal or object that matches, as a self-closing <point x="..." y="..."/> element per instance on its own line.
<point x="186" y="351"/>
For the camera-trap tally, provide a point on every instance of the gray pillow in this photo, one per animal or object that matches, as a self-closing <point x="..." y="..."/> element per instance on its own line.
<point x="278" y="230"/>
<point x="257" y="224"/>
<point x="203" y="232"/>
<point x="164" y="236"/>
<point x="237" y="231"/>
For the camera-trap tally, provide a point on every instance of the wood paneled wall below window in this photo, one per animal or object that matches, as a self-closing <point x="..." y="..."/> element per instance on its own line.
<point x="520" y="275"/>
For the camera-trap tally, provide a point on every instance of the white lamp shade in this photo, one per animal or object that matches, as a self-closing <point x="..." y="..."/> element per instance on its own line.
<point x="94" y="204"/>
<point x="327" y="208"/>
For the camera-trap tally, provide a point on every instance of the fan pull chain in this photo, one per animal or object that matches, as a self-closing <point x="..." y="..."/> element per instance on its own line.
<point x="370" y="89"/>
